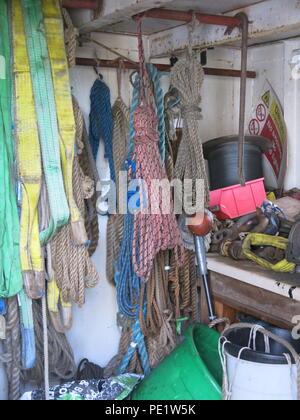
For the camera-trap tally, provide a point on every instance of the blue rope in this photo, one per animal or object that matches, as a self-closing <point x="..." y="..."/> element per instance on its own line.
<point x="127" y="282"/>
<point x="2" y="307"/>
<point x="155" y="76"/>
<point x="101" y="123"/>
<point x="138" y="341"/>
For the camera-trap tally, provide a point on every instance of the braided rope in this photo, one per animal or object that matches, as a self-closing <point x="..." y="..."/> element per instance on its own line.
<point x="12" y="348"/>
<point x="152" y="232"/>
<point x="89" y="168"/>
<point x="121" y="117"/>
<point x="71" y="36"/>
<point x="187" y="77"/>
<point x="73" y="268"/>
<point x="74" y="271"/>
<point x="101" y="123"/>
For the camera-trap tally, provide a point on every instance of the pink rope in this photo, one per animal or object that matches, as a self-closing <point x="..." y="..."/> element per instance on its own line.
<point x="152" y="232"/>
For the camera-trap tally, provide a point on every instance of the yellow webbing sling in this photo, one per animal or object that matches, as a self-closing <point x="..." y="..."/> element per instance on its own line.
<point x="55" y="39"/>
<point x="29" y="160"/>
<point x="257" y="239"/>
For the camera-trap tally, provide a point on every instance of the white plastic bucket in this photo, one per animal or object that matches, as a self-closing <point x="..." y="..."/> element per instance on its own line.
<point x="259" y="364"/>
<point x="249" y="381"/>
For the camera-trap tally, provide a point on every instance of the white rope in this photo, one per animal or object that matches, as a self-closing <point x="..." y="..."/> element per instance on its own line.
<point x="293" y="378"/>
<point x="227" y="386"/>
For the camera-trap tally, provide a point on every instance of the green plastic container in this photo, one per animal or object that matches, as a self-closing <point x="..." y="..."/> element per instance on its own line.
<point x="193" y="372"/>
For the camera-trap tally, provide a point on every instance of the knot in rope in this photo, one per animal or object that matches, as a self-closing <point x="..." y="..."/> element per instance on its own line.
<point x="191" y="110"/>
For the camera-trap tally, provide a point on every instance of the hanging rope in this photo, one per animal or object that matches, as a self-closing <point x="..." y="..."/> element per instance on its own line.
<point x="187" y="77"/>
<point x="155" y="77"/>
<point x="12" y="349"/>
<point x="89" y="168"/>
<point x="73" y="269"/>
<point x="71" y="36"/>
<point x="101" y="122"/>
<point x="115" y="226"/>
<point x="152" y="232"/>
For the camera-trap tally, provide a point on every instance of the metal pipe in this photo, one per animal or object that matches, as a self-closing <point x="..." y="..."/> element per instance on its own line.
<point x="81" y="4"/>
<point x="179" y="16"/>
<point x="90" y="62"/>
<point x="245" y="33"/>
<point x="203" y="272"/>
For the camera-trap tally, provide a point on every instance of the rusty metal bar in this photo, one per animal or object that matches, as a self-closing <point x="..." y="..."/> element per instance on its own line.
<point x="178" y="16"/>
<point x="81" y="4"/>
<point x="245" y="34"/>
<point x="90" y="62"/>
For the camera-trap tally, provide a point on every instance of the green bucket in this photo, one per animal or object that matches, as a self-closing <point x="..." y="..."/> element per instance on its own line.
<point x="193" y="372"/>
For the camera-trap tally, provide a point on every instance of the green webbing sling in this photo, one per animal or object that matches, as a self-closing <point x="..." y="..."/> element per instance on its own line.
<point x="10" y="267"/>
<point x="46" y="114"/>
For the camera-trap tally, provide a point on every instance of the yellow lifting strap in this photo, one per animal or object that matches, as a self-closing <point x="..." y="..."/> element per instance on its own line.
<point x="29" y="160"/>
<point x="55" y="39"/>
<point x="61" y="317"/>
<point x="256" y="239"/>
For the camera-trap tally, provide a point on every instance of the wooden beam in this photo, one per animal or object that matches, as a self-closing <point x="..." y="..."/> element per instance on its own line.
<point x="90" y="62"/>
<point x="265" y="305"/>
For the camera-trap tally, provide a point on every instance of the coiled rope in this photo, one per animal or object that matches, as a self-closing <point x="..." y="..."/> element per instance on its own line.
<point x="152" y="232"/>
<point x="101" y="122"/>
<point x="115" y="226"/>
<point x="187" y="78"/>
<point x="89" y="168"/>
<point x="71" y="36"/>
<point x="73" y="268"/>
<point x="155" y="77"/>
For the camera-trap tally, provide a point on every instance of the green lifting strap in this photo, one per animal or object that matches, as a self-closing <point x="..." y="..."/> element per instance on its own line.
<point x="10" y="267"/>
<point x="44" y="96"/>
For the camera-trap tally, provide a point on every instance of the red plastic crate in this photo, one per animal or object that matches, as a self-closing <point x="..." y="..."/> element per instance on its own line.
<point x="237" y="201"/>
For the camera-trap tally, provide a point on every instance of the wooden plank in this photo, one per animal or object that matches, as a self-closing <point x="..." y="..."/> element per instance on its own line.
<point x="120" y="11"/>
<point x="254" y="301"/>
